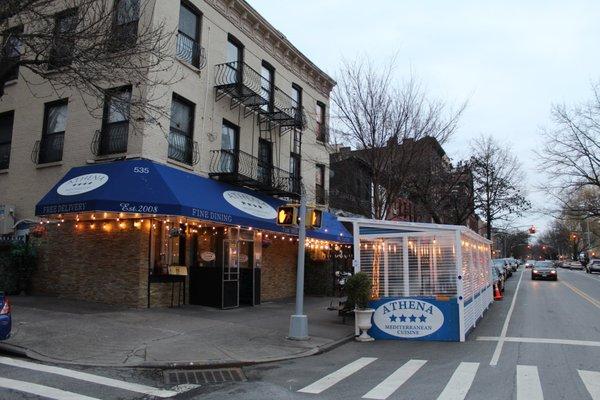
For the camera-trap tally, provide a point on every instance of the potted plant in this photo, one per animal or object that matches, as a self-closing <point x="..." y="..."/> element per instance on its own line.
<point x="358" y="288"/>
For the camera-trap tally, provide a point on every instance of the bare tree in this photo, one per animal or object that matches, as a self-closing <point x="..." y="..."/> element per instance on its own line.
<point x="496" y="177"/>
<point x="375" y="113"/>
<point x="571" y="156"/>
<point x="88" y="47"/>
<point x="445" y="192"/>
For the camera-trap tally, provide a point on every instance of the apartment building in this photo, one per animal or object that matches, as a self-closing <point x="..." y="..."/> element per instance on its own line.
<point x="123" y="204"/>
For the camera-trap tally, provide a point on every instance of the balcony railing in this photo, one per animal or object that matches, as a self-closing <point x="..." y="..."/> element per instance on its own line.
<point x="285" y="110"/>
<point x="190" y="51"/>
<point x="4" y="155"/>
<point x="183" y="149"/>
<point x="112" y="139"/>
<point x="48" y="149"/>
<point x="242" y="83"/>
<point x="244" y="169"/>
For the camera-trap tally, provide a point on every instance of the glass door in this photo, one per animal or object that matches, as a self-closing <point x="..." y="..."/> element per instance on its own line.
<point x="231" y="274"/>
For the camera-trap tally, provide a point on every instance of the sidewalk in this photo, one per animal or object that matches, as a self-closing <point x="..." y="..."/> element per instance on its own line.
<point x="76" y="332"/>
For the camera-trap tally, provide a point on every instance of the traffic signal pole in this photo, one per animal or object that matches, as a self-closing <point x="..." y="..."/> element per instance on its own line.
<point x="299" y="321"/>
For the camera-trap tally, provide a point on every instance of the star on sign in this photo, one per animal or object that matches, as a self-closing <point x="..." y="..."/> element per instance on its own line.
<point x="412" y="318"/>
<point x="422" y="318"/>
<point x="392" y="318"/>
<point x="402" y="318"/>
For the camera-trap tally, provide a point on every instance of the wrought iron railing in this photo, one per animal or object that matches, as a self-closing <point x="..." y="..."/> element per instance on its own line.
<point x="48" y="149"/>
<point x="4" y="155"/>
<point x="112" y="139"/>
<point x="240" y="74"/>
<point x="190" y="51"/>
<point x="242" y="168"/>
<point x="182" y="148"/>
<point x="285" y="110"/>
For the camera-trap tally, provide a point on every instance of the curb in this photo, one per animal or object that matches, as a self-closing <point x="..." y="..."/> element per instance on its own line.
<point x="24" y="352"/>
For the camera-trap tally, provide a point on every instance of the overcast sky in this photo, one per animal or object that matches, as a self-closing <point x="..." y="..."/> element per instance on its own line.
<point x="511" y="59"/>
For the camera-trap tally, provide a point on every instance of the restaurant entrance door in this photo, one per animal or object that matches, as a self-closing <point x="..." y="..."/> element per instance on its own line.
<point x="227" y="273"/>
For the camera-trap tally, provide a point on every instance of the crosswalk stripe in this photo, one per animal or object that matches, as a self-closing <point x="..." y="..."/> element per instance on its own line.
<point x="83" y="376"/>
<point x="459" y="384"/>
<point x="41" y="390"/>
<point x="336" y="376"/>
<point x="529" y="386"/>
<point x="390" y="384"/>
<point x="591" y="380"/>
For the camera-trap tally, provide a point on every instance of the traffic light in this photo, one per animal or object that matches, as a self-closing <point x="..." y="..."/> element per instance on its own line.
<point x="532" y="230"/>
<point x="287" y="216"/>
<point x="314" y="218"/>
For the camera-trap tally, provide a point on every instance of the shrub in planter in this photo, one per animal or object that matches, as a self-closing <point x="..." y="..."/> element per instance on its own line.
<point x="23" y="261"/>
<point x="358" y="288"/>
<point x="9" y="279"/>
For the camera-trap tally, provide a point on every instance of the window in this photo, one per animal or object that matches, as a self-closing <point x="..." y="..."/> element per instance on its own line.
<point x="63" y="42"/>
<point x="181" y="134"/>
<point x="235" y="57"/>
<point x="320" y="184"/>
<point x="127" y="15"/>
<point x="53" y="135"/>
<point x="297" y="142"/>
<point x="6" y="127"/>
<point x="297" y="102"/>
<point x="267" y="85"/>
<point x="295" y="162"/>
<point x="188" y="39"/>
<point x="229" y="147"/>
<point x="265" y="161"/>
<point x="115" y="122"/>
<point x="321" y="127"/>
<point x="11" y="52"/>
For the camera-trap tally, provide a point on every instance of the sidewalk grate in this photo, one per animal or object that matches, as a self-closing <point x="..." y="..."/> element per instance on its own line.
<point x="203" y="376"/>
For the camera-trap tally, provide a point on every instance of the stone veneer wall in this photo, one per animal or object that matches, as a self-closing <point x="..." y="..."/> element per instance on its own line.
<point x="278" y="274"/>
<point x="94" y="264"/>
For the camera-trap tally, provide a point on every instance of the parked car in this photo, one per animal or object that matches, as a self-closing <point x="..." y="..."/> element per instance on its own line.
<point x="513" y="264"/>
<point x="502" y="263"/>
<point x="5" y="318"/>
<point x="498" y="277"/>
<point x="575" y="265"/>
<point x="529" y="263"/>
<point x="544" y="270"/>
<point x="593" y="266"/>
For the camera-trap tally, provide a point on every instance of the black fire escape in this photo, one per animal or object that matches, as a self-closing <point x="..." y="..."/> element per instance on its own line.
<point x="276" y="112"/>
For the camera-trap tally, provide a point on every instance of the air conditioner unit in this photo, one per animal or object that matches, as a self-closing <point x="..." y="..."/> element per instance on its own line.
<point x="7" y="219"/>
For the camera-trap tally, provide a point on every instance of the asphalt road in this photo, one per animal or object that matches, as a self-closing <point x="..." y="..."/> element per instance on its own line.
<point x="526" y="367"/>
<point x="541" y="342"/>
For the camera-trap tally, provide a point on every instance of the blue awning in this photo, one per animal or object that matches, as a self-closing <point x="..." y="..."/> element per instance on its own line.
<point x="147" y="187"/>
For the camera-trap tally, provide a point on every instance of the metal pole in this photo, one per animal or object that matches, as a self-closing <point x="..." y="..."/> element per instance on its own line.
<point x="299" y="321"/>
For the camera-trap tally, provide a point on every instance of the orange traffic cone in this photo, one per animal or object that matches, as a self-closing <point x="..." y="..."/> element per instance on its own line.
<point x="497" y="294"/>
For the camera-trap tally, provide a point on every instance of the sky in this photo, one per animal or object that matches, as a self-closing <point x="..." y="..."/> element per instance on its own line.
<point x="510" y="59"/>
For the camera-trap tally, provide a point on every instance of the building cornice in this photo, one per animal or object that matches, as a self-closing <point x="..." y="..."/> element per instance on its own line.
<point x="248" y="20"/>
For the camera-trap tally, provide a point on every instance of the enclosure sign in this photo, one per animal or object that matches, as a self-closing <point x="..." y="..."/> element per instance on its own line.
<point x="415" y="318"/>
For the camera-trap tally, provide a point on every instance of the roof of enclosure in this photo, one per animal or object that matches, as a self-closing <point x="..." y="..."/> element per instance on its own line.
<point x="373" y="228"/>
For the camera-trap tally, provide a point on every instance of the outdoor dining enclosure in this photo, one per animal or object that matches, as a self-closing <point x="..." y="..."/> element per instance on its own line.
<point x="413" y="266"/>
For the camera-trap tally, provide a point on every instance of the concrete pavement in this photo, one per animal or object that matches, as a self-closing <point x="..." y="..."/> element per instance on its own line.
<point x="65" y="331"/>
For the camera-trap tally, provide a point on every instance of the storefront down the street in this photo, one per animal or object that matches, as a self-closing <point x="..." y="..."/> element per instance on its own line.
<point x="142" y="234"/>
